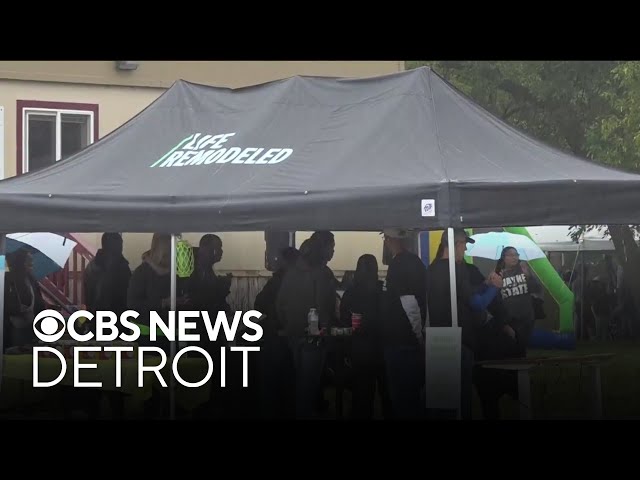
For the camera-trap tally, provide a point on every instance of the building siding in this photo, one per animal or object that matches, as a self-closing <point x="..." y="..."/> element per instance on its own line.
<point x="122" y="95"/>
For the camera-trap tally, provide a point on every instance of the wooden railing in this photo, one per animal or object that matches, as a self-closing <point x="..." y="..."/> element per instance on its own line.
<point x="65" y="286"/>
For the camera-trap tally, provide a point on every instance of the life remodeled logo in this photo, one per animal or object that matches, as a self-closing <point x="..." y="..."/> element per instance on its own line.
<point x="198" y="149"/>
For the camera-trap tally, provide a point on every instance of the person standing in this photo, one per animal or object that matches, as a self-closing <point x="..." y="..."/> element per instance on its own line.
<point x="208" y="292"/>
<point x="364" y="297"/>
<point x="106" y="278"/>
<point x="276" y="365"/>
<point x="519" y="291"/>
<point x="475" y="296"/>
<point x="305" y="286"/>
<point x="22" y="299"/>
<point x="403" y="320"/>
<point x="106" y="281"/>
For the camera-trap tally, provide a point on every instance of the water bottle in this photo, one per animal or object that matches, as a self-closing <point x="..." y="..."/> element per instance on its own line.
<point x="313" y="322"/>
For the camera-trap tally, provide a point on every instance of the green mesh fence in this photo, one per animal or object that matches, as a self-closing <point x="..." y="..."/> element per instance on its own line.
<point x="184" y="259"/>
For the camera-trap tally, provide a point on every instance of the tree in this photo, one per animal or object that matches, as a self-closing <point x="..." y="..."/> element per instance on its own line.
<point x="556" y="102"/>
<point x="590" y="109"/>
<point x="615" y="140"/>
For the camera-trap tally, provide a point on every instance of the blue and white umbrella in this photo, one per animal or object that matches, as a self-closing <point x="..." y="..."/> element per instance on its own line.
<point x="490" y="245"/>
<point x="50" y="251"/>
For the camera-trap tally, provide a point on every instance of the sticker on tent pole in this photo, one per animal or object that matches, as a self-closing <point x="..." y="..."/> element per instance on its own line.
<point x="428" y="208"/>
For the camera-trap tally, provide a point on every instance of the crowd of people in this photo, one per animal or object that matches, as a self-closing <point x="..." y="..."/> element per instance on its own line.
<point x="385" y="354"/>
<point x="381" y="358"/>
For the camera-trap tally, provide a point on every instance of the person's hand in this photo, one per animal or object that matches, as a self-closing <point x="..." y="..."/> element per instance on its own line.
<point x="509" y="331"/>
<point x="525" y="268"/>
<point x="495" y="280"/>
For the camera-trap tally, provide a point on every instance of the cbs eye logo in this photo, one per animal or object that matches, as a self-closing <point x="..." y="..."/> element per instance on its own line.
<point x="51" y="326"/>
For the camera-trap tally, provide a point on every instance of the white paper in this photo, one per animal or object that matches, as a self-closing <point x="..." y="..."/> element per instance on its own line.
<point x="443" y="358"/>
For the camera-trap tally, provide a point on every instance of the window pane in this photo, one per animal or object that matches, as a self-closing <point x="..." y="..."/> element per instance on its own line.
<point x="41" y="148"/>
<point x="75" y="134"/>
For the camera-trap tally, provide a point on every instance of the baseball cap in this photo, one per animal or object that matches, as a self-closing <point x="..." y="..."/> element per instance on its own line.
<point x="457" y="232"/>
<point x="399" y="233"/>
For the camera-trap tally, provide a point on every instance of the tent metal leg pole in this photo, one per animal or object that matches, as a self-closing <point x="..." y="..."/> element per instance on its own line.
<point x="452" y="279"/>
<point x="582" y="324"/>
<point x="3" y="244"/>
<point x="454" y="294"/>
<point x="174" y="286"/>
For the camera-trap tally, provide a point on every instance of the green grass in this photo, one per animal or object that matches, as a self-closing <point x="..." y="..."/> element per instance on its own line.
<point x="557" y="392"/>
<point x="562" y="392"/>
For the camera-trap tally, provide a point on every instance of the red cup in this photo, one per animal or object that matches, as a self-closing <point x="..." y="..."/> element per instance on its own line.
<point x="356" y="320"/>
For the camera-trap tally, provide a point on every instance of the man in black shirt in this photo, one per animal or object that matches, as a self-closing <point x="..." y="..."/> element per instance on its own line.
<point x="208" y="292"/>
<point x="402" y="325"/>
<point x="105" y="284"/>
<point x="106" y="278"/>
<point x="475" y="295"/>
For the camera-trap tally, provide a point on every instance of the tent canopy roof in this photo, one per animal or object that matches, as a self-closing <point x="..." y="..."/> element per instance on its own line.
<point x="305" y="153"/>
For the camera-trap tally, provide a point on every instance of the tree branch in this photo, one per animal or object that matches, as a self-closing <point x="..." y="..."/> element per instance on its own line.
<point x="618" y="242"/>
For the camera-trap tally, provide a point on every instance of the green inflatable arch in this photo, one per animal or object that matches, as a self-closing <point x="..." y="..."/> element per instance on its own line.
<point x="553" y="283"/>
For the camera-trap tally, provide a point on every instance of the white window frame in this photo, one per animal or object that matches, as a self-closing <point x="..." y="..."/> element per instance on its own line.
<point x="53" y="112"/>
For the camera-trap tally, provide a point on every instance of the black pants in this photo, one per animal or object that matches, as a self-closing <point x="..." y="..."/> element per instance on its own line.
<point x="492" y="385"/>
<point x="367" y="363"/>
<point x="276" y="379"/>
<point x="309" y="357"/>
<point x="17" y="337"/>
<point x="405" y="374"/>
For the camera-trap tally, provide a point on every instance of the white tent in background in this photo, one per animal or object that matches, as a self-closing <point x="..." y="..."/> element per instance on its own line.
<point x="556" y="238"/>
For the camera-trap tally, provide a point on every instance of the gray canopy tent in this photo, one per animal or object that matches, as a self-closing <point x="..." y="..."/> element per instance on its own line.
<point x="306" y="153"/>
<point x="315" y="153"/>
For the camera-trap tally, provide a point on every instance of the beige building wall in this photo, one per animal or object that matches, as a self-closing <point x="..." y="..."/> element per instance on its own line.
<point x="244" y="251"/>
<point x="162" y="74"/>
<point x="121" y="95"/>
<point x="117" y="106"/>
